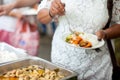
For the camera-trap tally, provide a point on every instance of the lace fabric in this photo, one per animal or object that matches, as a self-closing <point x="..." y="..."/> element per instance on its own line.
<point x="116" y="11"/>
<point x="85" y="16"/>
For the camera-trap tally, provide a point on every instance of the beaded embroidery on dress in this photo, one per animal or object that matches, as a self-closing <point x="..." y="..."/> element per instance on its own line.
<point x="86" y="16"/>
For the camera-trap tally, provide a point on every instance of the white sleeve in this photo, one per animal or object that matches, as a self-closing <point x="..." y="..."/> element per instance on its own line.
<point x="44" y="4"/>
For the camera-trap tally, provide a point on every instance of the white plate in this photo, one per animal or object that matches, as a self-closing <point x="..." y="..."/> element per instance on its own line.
<point x="89" y="37"/>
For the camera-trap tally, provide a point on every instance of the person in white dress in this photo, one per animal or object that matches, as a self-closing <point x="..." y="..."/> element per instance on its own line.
<point x="87" y="16"/>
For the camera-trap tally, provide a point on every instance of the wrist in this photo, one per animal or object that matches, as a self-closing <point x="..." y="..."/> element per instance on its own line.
<point x="105" y="34"/>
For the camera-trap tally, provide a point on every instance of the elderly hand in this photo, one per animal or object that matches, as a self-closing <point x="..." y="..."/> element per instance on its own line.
<point x="5" y="9"/>
<point x="57" y="8"/>
<point x="101" y="34"/>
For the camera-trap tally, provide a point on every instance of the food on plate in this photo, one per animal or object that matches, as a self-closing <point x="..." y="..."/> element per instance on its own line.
<point x="85" y="44"/>
<point x="78" y="39"/>
<point x="33" y="72"/>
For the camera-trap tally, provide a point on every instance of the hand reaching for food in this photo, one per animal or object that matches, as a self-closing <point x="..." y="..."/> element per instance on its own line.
<point x="57" y="8"/>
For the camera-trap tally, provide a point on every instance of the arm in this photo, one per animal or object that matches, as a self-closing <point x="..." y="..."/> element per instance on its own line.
<point x="110" y="33"/>
<point x="45" y="15"/>
<point x="5" y="9"/>
<point x="24" y="3"/>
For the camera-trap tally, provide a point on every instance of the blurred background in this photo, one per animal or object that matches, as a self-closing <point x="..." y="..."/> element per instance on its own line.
<point x="117" y="50"/>
<point x="21" y="29"/>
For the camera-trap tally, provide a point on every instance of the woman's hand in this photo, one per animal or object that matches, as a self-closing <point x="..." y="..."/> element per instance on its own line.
<point x="5" y="9"/>
<point x="101" y="34"/>
<point x="57" y="8"/>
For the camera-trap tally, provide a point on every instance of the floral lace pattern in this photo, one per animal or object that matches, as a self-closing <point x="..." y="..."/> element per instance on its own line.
<point x="116" y="11"/>
<point x="86" y="16"/>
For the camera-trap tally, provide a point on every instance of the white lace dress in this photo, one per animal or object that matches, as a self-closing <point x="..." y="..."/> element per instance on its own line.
<point x="86" y="16"/>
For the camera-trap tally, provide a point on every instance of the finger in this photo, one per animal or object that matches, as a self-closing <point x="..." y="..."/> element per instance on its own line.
<point x="54" y="8"/>
<point x="62" y="12"/>
<point x="55" y="5"/>
<point x="58" y="3"/>
<point x="98" y="34"/>
<point x="2" y="13"/>
<point x="61" y="9"/>
<point x="54" y="11"/>
<point x="62" y="6"/>
<point x="59" y="6"/>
